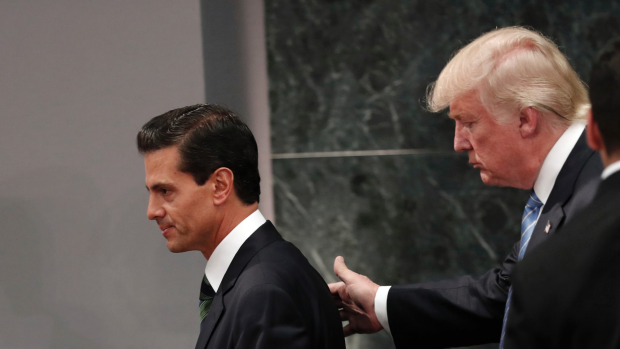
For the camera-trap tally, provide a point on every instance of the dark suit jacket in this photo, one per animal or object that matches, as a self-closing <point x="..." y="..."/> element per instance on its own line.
<point x="469" y="310"/>
<point x="567" y="292"/>
<point x="271" y="297"/>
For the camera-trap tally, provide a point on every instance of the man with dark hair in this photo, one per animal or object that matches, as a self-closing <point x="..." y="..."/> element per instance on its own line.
<point x="567" y="292"/>
<point x="258" y="290"/>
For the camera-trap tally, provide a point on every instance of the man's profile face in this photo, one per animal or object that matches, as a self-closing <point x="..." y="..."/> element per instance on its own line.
<point x="493" y="147"/>
<point x="181" y="208"/>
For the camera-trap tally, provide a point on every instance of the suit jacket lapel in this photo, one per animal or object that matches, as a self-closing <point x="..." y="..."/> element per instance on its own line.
<point x="263" y="236"/>
<point x="553" y="215"/>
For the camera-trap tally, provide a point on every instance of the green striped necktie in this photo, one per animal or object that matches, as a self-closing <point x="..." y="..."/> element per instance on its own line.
<point x="206" y="298"/>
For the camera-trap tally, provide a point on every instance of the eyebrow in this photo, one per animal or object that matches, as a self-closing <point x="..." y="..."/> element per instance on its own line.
<point x="462" y="116"/>
<point x="158" y="186"/>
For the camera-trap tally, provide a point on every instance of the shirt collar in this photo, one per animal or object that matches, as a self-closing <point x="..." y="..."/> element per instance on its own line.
<point x="611" y="169"/>
<point x="555" y="160"/>
<point x="224" y="253"/>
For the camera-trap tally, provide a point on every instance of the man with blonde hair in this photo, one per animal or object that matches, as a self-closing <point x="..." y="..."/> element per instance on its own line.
<point x="519" y="110"/>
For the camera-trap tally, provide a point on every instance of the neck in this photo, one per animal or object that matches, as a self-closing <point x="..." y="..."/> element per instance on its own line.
<point x="229" y="220"/>
<point x="609" y="159"/>
<point x="542" y="146"/>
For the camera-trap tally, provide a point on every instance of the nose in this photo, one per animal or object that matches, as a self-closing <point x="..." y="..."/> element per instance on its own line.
<point x="461" y="142"/>
<point x="154" y="210"/>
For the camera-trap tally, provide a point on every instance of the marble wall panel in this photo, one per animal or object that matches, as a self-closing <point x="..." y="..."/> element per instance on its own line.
<point x="352" y="74"/>
<point x="396" y="218"/>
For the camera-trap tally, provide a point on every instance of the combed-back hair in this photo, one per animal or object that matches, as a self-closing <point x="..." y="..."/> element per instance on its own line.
<point x="208" y="137"/>
<point x="605" y="95"/>
<point x="512" y="69"/>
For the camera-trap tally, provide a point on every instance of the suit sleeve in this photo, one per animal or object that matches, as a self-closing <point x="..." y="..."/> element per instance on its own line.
<point x="459" y="312"/>
<point x="266" y="318"/>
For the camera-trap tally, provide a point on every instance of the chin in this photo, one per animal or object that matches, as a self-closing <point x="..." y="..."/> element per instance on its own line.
<point x="492" y="181"/>
<point x="487" y="179"/>
<point x="175" y="248"/>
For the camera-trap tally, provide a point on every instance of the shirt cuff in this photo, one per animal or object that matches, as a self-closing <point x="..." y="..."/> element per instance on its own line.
<point x="381" y="307"/>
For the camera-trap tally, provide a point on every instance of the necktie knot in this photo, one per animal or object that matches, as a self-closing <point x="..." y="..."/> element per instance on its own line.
<point x="206" y="290"/>
<point x="206" y="297"/>
<point x="533" y="202"/>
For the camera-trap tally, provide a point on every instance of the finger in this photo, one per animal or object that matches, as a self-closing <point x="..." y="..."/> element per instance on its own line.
<point x="347" y="330"/>
<point x="344" y="316"/>
<point x="334" y="287"/>
<point x="341" y="270"/>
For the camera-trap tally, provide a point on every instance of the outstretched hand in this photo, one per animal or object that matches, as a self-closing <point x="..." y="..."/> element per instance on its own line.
<point x="355" y="297"/>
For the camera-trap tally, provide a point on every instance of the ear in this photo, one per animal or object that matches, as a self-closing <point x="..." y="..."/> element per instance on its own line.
<point x="593" y="134"/>
<point x="223" y="179"/>
<point x="528" y="121"/>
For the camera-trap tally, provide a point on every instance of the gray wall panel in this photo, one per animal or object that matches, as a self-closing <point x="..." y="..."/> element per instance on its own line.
<point x="236" y="74"/>
<point x="82" y="267"/>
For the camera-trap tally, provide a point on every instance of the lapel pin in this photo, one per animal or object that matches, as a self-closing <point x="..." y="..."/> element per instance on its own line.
<point x="548" y="227"/>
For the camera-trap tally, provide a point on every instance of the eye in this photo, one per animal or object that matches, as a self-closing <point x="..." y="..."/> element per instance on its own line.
<point x="164" y="191"/>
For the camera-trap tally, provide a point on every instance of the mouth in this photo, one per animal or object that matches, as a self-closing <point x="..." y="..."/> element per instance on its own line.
<point x="165" y="230"/>
<point x="475" y="164"/>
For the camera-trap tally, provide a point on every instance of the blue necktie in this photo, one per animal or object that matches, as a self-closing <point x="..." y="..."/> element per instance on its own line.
<point x="528" y="222"/>
<point x="206" y="298"/>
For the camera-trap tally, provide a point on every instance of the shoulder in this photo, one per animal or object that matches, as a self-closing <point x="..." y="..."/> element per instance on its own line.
<point x="590" y="174"/>
<point x="585" y="185"/>
<point x="282" y="265"/>
<point x="585" y="169"/>
<point x="281" y="277"/>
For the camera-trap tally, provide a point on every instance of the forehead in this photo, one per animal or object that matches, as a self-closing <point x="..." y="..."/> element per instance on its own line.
<point x="467" y="105"/>
<point x="162" y="165"/>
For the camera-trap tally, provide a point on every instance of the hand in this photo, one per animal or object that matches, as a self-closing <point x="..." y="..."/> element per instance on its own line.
<point x="355" y="296"/>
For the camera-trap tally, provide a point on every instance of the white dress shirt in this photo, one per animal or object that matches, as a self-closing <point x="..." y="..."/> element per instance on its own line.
<point x="544" y="184"/>
<point x="611" y="169"/>
<point x="224" y="253"/>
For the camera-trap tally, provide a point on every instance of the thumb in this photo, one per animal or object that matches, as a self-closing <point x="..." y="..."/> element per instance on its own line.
<point x="341" y="270"/>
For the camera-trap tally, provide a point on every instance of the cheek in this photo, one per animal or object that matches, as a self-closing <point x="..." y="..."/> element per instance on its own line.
<point x="197" y="215"/>
<point x="488" y="151"/>
<point x="501" y="153"/>
<point x="480" y="143"/>
<point x="179" y="216"/>
<point x="477" y="135"/>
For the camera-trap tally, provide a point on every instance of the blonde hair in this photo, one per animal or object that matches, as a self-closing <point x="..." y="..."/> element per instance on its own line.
<point x="512" y="69"/>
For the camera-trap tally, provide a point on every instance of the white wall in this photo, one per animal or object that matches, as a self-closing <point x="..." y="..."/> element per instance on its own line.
<point x="80" y="264"/>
